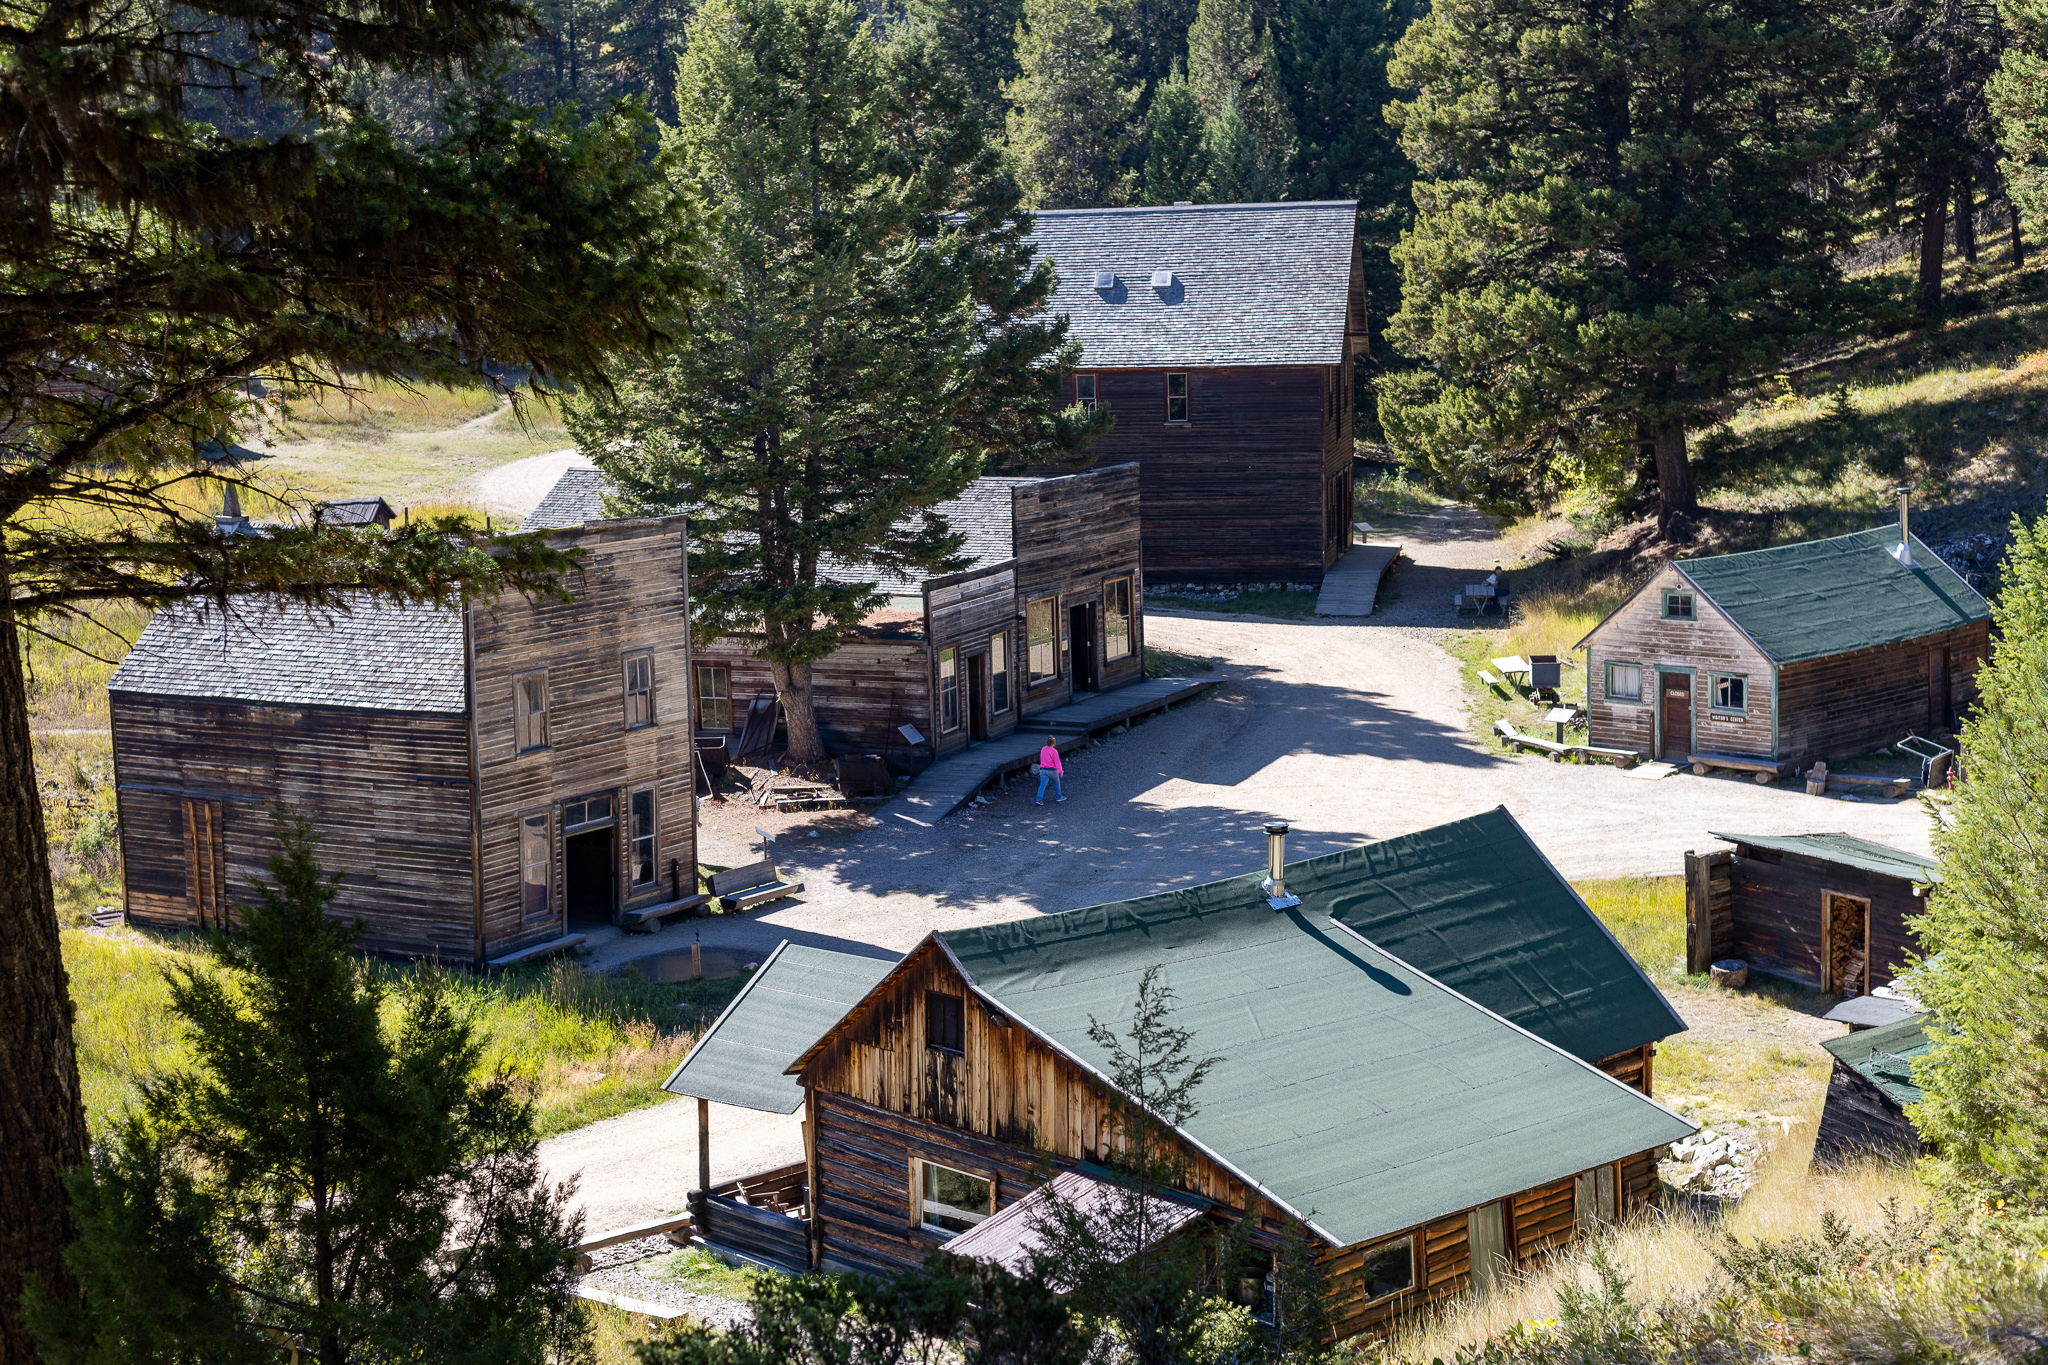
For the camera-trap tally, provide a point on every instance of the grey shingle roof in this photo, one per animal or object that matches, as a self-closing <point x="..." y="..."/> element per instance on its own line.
<point x="577" y="497"/>
<point x="983" y="512"/>
<point x="1254" y="284"/>
<point x="355" y="511"/>
<point x="377" y="656"/>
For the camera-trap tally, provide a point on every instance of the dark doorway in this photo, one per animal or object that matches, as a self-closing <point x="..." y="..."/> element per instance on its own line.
<point x="590" y="872"/>
<point x="977" y="699"/>
<point x="1081" y="633"/>
<point x="1674" y="715"/>
<point x="1937" y="689"/>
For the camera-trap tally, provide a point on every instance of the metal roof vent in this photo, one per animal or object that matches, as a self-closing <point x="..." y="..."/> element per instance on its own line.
<point x="1162" y="279"/>
<point x="1105" y="279"/>
<point x="1275" y="882"/>
<point x="1904" y="551"/>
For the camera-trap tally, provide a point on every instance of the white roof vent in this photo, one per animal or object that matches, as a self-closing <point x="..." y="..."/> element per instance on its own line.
<point x="1105" y="279"/>
<point x="1162" y="279"/>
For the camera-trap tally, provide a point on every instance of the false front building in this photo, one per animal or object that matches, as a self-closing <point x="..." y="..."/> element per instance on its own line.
<point x="1222" y="337"/>
<point x="484" y="779"/>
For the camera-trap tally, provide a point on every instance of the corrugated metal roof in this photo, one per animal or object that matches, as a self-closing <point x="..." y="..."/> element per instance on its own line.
<point x="1253" y="284"/>
<point x="578" y="496"/>
<point x="1847" y="850"/>
<point x="376" y="656"/>
<point x="1885" y="1056"/>
<point x="1354" y="1090"/>
<point x="1818" y="598"/>
<point x="795" y="997"/>
<point x="1011" y="1238"/>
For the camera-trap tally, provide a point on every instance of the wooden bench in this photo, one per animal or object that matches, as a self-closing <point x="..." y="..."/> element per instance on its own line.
<point x="1620" y="758"/>
<point x="1518" y="741"/>
<point x="1766" y="770"/>
<point x="743" y="888"/>
<point x="648" y="918"/>
<point x="1884" y="786"/>
<point x="1493" y="680"/>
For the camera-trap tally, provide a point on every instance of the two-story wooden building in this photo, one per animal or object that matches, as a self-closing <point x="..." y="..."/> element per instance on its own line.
<point x="1819" y="650"/>
<point x="1050" y="606"/>
<point x="1223" y="337"/>
<point x="483" y="779"/>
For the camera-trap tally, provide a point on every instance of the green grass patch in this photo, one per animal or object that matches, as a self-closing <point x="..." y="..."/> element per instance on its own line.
<point x="1286" y="604"/>
<point x="1171" y="663"/>
<point x="1391" y="500"/>
<point x="592" y="1046"/>
<point x="700" y="1272"/>
<point x="1646" y="915"/>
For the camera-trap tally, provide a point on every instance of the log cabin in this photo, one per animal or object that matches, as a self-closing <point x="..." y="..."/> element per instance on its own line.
<point x="1829" y="911"/>
<point x="1223" y="337"/>
<point x="1778" y="658"/>
<point x="1869" y="1087"/>
<point x="484" y="779"/>
<point x="1435" y="1064"/>
<point x="1049" y="607"/>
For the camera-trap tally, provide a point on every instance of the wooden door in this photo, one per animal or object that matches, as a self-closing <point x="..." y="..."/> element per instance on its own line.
<point x="206" y="879"/>
<point x="977" y="698"/>
<point x="1674" y="715"/>
<point x="1081" y="628"/>
<point x="1844" y="943"/>
<point x="1487" y="1238"/>
<point x="1937" y="689"/>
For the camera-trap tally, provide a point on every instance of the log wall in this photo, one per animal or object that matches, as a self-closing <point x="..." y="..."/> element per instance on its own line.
<point x="1775" y="912"/>
<point x="861" y="693"/>
<point x="1851" y="704"/>
<point x="1638" y="634"/>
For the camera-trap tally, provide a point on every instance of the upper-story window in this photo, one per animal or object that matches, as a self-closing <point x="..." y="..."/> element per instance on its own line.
<point x="1176" y="398"/>
<point x="945" y="1022"/>
<point x="639" y="686"/>
<point x="1677" y="606"/>
<point x="530" y="711"/>
<point x="1084" y="391"/>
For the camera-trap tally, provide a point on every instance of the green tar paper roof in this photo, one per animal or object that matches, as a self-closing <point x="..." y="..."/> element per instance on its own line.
<point x="1353" y="1090"/>
<point x="1884" y="1056"/>
<point x="798" y="994"/>
<point x="1847" y="850"/>
<point x="1823" y="597"/>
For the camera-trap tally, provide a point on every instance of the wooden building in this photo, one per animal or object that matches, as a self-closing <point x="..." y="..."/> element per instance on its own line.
<point x="1868" y="1090"/>
<point x="1777" y="658"/>
<point x="1050" y="607"/>
<point x="1827" y="910"/>
<point x="484" y="779"/>
<point x="1435" y="1061"/>
<point x="1222" y="336"/>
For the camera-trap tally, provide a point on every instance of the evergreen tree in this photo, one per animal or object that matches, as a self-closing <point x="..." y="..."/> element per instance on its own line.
<point x="1153" y="37"/>
<point x="1231" y="61"/>
<point x="1071" y="125"/>
<point x="1985" y="930"/>
<point x="2018" y="100"/>
<point x="1176" y="150"/>
<point x="976" y="40"/>
<point x="319" y="1185"/>
<point x="1239" y="172"/>
<point x="1618" y="221"/>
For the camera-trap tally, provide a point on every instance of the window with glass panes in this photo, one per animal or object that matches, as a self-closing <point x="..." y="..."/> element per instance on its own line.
<point x="534" y="863"/>
<point x="714" y="697"/>
<point x="639" y="685"/>
<point x="530" y="710"/>
<point x="949" y="690"/>
<point x="642" y="853"/>
<point x="1176" y="398"/>
<point x="1116" y="618"/>
<point x="999" y="672"/>
<point x="1084" y="390"/>
<point x="1041" y="639"/>
<point x="951" y="1201"/>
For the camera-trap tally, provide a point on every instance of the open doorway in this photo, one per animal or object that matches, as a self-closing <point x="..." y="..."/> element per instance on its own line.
<point x="589" y="873"/>
<point x="1081" y="631"/>
<point x="1845" y="944"/>
<point x="977" y="699"/>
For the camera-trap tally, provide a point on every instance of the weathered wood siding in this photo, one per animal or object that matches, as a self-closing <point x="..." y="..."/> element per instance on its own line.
<point x="1849" y="704"/>
<point x="388" y="796"/>
<point x="1775" y="912"/>
<point x="1709" y="909"/>
<point x="1236" y="493"/>
<point x="1860" y="1120"/>
<point x="631" y="597"/>
<point x="1638" y="634"/>
<point x="1072" y="535"/>
<point x="861" y="693"/>
<point x="963" y="612"/>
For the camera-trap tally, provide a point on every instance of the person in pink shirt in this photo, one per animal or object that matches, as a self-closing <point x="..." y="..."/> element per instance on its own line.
<point x="1049" y="770"/>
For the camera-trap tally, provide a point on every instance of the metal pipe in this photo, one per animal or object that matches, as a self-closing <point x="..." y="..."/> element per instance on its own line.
<point x="1276" y="857"/>
<point x="703" y="1147"/>
<point x="1905" y="496"/>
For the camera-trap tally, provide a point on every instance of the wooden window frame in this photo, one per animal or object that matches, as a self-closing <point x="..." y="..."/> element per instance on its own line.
<point x="949" y="689"/>
<point x="698" y="696"/>
<point x="1110" y="587"/>
<point x="527" y="914"/>
<point x="957" y="1008"/>
<point x="917" y="1200"/>
<point x="641" y="661"/>
<point x="524" y="737"/>
<point x="1184" y="397"/>
<point x="1607" y="692"/>
<point x="1032" y="677"/>
<point x="1365" y="1281"/>
<point x="1714" y="705"/>
<point x="999" y="688"/>
<point x="636" y="836"/>
<point x="1692" y="605"/>
<point x="1087" y="391"/>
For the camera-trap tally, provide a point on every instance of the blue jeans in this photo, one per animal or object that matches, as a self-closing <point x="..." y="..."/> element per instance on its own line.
<point x="1046" y="775"/>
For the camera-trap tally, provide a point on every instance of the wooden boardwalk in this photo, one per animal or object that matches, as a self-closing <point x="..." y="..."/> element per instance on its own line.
<point x="1353" y="586"/>
<point x="952" y="782"/>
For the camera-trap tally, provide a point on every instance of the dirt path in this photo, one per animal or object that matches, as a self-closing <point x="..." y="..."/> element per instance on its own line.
<point x="517" y="488"/>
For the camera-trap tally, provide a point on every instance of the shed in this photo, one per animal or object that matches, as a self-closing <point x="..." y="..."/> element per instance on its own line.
<point x="1827" y="910"/>
<point x="1223" y="336"/>
<point x="1868" y="1091"/>
<point x="1819" y="650"/>
<point x="357" y="512"/>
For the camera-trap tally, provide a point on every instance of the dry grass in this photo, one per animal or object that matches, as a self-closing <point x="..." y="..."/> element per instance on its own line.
<point x="1546" y="620"/>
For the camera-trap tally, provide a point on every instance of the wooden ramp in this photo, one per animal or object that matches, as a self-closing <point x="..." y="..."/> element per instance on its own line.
<point x="953" y="781"/>
<point x="1352" y="587"/>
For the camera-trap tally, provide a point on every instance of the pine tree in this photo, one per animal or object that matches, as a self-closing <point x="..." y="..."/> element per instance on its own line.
<point x="977" y="41"/>
<point x="1176" y="149"/>
<point x="2018" y="98"/>
<point x="1231" y="61"/>
<point x="1153" y="37"/>
<point x="1619" y="220"/>
<point x="1985" y="931"/>
<point x="318" y="1185"/>
<point x="1071" y="126"/>
<point x="1239" y="172"/>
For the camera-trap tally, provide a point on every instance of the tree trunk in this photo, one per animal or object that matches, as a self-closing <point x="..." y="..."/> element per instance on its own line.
<point x="1966" y="218"/>
<point x="1676" y="499"/>
<point x="42" y="1120"/>
<point x="1933" y="228"/>
<point x="2019" y="253"/>
<point x="793" y="686"/>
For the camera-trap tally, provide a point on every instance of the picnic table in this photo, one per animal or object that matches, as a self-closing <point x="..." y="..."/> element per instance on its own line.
<point x="1479" y="596"/>
<point x="1513" y="663"/>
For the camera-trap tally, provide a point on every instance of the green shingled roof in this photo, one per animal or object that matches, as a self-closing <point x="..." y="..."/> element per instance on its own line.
<point x="1847" y="850"/>
<point x="1823" y="597"/>
<point x="1356" y="1091"/>
<point x="1884" y="1056"/>
<point x="798" y="994"/>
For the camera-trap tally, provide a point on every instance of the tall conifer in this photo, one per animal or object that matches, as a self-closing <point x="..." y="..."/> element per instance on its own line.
<point x="1176" y="150"/>
<point x="1231" y="59"/>
<point x="977" y="40"/>
<point x="1072" y="132"/>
